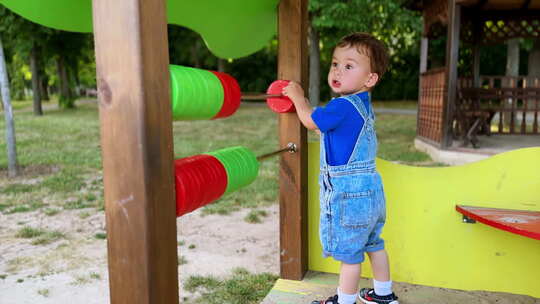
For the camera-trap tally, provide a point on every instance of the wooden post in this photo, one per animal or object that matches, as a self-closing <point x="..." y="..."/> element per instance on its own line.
<point x="292" y="65"/>
<point x="452" y="52"/>
<point x="137" y="150"/>
<point x="476" y="65"/>
<point x="424" y="45"/>
<point x="476" y="54"/>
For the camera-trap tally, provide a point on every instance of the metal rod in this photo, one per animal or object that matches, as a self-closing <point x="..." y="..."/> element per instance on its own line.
<point x="259" y="96"/>
<point x="290" y="148"/>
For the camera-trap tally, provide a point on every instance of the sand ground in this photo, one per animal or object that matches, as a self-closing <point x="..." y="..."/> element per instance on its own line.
<point x="74" y="269"/>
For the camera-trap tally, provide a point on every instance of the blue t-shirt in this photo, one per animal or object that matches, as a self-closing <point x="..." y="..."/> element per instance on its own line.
<point x="341" y="124"/>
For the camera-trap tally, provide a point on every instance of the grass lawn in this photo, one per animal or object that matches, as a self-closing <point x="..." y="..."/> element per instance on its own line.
<point x="60" y="154"/>
<point x="396" y="104"/>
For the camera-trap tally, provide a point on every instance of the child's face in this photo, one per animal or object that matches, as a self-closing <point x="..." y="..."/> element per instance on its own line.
<point x="350" y="72"/>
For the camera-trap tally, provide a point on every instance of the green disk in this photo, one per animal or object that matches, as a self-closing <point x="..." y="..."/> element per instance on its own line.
<point x="241" y="165"/>
<point x="195" y="93"/>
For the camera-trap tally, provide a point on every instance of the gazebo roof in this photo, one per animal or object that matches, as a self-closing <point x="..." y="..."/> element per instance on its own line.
<point x="500" y="4"/>
<point x="483" y="21"/>
<point x="496" y="5"/>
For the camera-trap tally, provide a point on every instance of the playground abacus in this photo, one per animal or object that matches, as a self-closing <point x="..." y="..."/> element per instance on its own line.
<point x="204" y="178"/>
<point x="200" y="94"/>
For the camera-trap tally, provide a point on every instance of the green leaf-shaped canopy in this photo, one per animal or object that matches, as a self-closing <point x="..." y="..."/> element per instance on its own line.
<point x="230" y="28"/>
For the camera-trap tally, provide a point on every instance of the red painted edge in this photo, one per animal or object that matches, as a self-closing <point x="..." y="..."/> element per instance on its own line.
<point x="527" y="233"/>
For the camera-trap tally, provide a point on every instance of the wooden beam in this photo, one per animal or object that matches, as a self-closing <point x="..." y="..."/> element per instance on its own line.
<point x="526" y="4"/>
<point x="514" y="14"/>
<point x="137" y="150"/>
<point x="292" y="65"/>
<point x="452" y="52"/>
<point x="480" y="4"/>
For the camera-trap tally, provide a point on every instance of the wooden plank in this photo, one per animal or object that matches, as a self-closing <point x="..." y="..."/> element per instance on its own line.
<point x="137" y="150"/>
<point x="292" y="65"/>
<point x="452" y="54"/>
<point x="526" y="223"/>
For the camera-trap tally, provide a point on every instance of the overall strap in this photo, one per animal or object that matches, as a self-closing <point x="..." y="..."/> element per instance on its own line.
<point x="360" y="107"/>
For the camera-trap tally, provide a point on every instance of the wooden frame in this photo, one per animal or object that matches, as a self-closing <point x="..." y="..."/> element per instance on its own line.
<point x="137" y="150"/>
<point x="292" y="65"/>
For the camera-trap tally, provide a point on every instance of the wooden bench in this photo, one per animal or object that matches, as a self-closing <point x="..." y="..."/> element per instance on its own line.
<point x="525" y="223"/>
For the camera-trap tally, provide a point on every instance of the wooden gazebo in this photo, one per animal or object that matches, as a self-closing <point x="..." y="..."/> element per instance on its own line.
<point x="453" y="107"/>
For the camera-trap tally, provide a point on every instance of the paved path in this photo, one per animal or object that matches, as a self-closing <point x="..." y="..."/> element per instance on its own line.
<point x="395" y="111"/>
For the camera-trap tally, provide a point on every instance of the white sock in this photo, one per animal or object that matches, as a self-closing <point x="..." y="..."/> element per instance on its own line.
<point x="382" y="288"/>
<point x="344" y="298"/>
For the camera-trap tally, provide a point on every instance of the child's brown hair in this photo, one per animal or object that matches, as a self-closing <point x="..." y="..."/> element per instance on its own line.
<point x="370" y="46"/>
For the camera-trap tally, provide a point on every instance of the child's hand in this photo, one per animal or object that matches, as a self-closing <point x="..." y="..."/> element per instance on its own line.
<point x="294" y="91"/>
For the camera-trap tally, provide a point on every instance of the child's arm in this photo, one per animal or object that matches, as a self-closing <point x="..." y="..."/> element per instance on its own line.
<point x="295" y="92"/>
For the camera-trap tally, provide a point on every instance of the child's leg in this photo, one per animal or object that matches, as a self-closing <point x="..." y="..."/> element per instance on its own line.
<point x="379" y="265"/>
<point x="381" y="272"/>
<point x="349" y="275"/>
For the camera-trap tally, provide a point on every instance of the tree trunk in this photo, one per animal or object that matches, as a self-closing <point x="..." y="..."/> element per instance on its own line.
<point x="222" y="64"/>
<point x="44" y="82"/>
<point x="65" y="98"/>
<point x="534" y="60"/>
<point x="44" y="87"/>
<point x="10" y="127"/>
<point x="512" y="70"/>
<point x="73" y="76"/>
<point x="195" y="54"/>
<point x="36" y="79"/>
<point x="314" y="67"/>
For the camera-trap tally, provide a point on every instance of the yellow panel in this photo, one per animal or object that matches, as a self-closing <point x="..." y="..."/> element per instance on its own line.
<point x="425" y="237"/>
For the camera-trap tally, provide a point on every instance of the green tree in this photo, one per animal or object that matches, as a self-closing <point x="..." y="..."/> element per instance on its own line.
<point x="25" y="39"/>
<point x="67" y="50"/>
<point x="398" y="27"/>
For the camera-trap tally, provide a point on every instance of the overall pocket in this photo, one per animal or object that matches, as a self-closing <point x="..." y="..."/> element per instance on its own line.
<point x="356" y="209"/>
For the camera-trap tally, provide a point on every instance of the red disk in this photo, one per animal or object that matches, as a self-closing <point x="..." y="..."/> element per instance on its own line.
<point x="231" y="95"/>
<point x="279" y="104"/>
<point x="200" y="180"/>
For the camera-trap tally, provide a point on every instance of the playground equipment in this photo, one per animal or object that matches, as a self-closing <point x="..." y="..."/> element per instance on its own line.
<point x="202" y="179"/>
<point x="428" y="241"/>
<point x="136" y="122"/>
<point x="202" y="94"/>
<point x="255" y="22"/>
<point x="522" y="222"/>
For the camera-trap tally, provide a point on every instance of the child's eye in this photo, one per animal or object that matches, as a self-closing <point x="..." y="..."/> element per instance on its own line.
<point x="348" y="66"/>
<point x="334" y="64"/>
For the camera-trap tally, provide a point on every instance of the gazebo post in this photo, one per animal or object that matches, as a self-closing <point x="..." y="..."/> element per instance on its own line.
<point x="137" y="150"/>
<point x="476" y="54"/>
<point x="424" y="51"/>
<point x="476" y="65"/>
<point x="424" y="44"/>
<point x="452" y="53"/>
<point x="292" y="65"/>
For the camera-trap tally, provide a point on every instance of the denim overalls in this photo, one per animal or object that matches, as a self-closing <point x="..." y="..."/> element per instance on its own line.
<point x="351" y="197"/>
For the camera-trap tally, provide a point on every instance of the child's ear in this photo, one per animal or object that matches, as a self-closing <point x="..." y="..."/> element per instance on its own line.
<point x="372" y="80"/>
